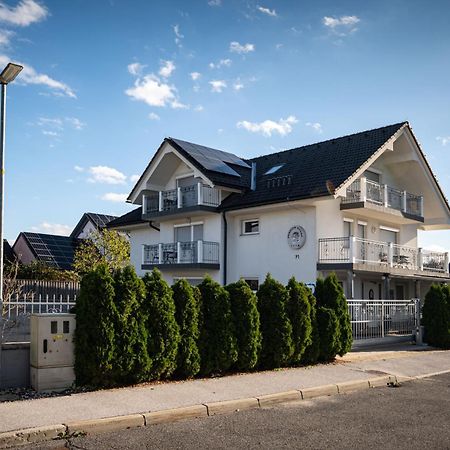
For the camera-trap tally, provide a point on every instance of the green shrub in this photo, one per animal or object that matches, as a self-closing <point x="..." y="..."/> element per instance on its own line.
<point x="329" y="294"/>
<point x="218" y="349"/>
<point x="312" y="352"/>
<point x="94" y="333"/>
<point x="162" y="328"/>
<point x="246" y="324"/>
<point x="436" y="316"/>
<point x="187" y="316"/>
<point x="131" y="362"/>
<point x="299" y="312"/>
<point x="276" y="330"/>
<point x="328" y="326"/>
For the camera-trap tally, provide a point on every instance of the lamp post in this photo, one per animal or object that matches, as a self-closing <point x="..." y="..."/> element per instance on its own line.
<point x="9" y="73"/>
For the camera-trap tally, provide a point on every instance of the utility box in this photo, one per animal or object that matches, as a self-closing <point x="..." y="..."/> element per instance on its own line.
<point x="52" y="351"/>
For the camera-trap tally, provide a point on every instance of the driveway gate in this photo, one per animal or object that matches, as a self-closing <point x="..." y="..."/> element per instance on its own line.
<point x="373" y="319"/>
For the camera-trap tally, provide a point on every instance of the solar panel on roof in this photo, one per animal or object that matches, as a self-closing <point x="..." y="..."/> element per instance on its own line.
<point x="212" y="159"/>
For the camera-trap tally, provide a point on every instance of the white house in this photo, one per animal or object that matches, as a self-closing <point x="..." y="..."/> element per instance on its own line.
<point x="352" y="205"/>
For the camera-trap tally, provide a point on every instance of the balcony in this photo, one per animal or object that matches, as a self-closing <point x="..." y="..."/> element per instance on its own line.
<point x="197" y="197"/>
<point x="362" y="254"/>
<point x="384" y="199"/>
<point x="194" y="254"/>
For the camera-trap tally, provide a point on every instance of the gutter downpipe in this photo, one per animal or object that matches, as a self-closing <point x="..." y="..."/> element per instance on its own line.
<point x="153" y="226"/>
<point x="225" y="238"/>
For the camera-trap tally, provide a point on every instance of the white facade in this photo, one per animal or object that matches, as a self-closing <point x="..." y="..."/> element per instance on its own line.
<point x="374" y="239"/>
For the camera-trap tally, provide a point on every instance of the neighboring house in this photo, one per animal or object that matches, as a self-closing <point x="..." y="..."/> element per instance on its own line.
<point x="351" y="205"/>
<point x="57" y="251"/>
<point x="8" y="252"/>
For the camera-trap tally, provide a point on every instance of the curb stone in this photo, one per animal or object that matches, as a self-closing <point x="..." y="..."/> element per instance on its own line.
<point x="45" y="433"/>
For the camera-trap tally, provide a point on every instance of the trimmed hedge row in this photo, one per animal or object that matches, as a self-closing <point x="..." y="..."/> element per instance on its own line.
<point x="436" y="316"/>
<point x="131" y="330"/>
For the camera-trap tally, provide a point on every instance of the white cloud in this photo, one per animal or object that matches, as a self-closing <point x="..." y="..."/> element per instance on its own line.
<point x="238" y="85"/>
<point x="50" y="122"/>
<point x="114" y="197"/>
<point x="153" y="116"/>
<point x="235" y="47"/>
<point x="199" y="108"/>
<point x="106" y="175"/>
<point x="443" y="140"/>
<point x="135" y="68"/>
<point x="167" y="67"/>
<point x="214" y="2"/>
<point x="135" y="178"/>
<point x="176" y="104"/>
<point x="30" y="76"/>
<point x="178" y="35"/>
<point x="151" y="90"/>
<point x="266" y="128"/>
<point x="195" y="75"/>
<point x="217" y="85"/>
<point x="341" y="25"/>
<point x="50" y="133"/>
<point x="76" y="123"/>
<point x="315" y="126"/>
<point x="5" y="37"/>
<point x="52" y="228"/>
<point x="270" y="12"/>
<point x="23" y="14"/>
<point x="223" y="62"/>
<point x="78" y="168"/>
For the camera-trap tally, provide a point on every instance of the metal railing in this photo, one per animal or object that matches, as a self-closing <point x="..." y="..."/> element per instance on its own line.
<point x="192" y="252"/>
<point x="364" y="190"/>
<point x="372" y="319"/>
<point x="183" y="197"/>
<point x="356" y="250"/>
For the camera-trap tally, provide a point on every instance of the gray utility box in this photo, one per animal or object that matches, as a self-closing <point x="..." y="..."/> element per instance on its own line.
<point x="52" y="351"/>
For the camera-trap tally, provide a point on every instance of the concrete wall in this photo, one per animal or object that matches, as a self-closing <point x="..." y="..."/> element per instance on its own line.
<point x="15" y="365"/>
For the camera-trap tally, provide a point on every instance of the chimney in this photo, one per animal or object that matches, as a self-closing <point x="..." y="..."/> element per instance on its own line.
<point x="253" y="177"/>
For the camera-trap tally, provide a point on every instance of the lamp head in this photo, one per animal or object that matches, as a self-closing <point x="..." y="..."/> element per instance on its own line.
<point x="10" y="72"/>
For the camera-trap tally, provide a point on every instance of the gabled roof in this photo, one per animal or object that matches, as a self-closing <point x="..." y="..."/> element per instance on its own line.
<point x="99" y="221"/>
<point x="8" y="252"/>
<point x="131" y="218"/>
<point x="312" y="170"/>
<point x="55" y="251"/>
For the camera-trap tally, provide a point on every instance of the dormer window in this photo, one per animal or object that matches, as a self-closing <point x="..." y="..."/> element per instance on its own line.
<point x="274" y="169"/>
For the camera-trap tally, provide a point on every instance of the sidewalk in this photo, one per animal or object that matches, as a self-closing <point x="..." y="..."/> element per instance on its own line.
<point x="403" y="361"/>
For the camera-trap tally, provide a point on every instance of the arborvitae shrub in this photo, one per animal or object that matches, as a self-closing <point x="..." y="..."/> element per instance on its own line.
<point x="187" y="316"/>
<point x="94" y="333"/>
<point x="312" y="352"/>
<point x="218" y="349"/>
<point x="131" y="362"/>
<point x="436" y="316"/>
<point x="162" y="328"/>
<point x="328" y="325"/>
<point x="299" y="312"/>
<point x="246" y="324"/>
<point x="276" y="329"/>
<point x="329" y="294"/>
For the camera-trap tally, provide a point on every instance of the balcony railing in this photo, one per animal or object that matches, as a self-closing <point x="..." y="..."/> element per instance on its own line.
<point x="357" y="250"/>
<point x="364" y="190"/>
<point x="182" y="197"/>
<point x="193" y="252"/>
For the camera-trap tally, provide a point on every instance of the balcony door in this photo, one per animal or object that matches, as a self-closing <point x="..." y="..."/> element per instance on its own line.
<point x="187" y="236"/>
<point x="188" y="187"/>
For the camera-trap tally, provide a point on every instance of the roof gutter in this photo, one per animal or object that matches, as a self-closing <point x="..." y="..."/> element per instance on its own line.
<point x="225" y="246"/>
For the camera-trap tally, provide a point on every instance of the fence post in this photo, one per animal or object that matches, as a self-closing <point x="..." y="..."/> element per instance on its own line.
<point x="199" y="194"/>
<point x="385" y="195"/>
<point x="179" y="199"/>
<point x="160" y="201"/>
<point x="420" y="259"/>
<point x="391" y="254"/>
<point x="159" y="253"/>
<point x="404" y="206"/>
<point x="144" y="204"/>
<point x="382" y="318"/>
<point x="363" y="189"/>
<point x="352" y="249"/>
<point x="178" y="252"/>
<point x="199" y="251"/>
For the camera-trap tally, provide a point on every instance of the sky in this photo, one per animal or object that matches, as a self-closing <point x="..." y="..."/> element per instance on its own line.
<point x="106" y="80"/>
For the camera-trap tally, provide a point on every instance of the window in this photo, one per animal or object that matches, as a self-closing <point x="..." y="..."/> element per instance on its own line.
<point x="389" y="235"/>
<point x="188" y="233"/>
<point x="192" y="281"/>
<point x="372" y="176"/>
<point x="253" y="283"/>
<point x="274" y="169"/>
<point x="250" y="226"/>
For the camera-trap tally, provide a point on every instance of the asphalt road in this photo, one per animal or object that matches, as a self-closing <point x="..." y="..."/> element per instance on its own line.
<point x="415" y="415"/>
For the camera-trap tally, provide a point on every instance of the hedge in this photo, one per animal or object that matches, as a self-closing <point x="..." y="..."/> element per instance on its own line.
<point x="436" y="316"/>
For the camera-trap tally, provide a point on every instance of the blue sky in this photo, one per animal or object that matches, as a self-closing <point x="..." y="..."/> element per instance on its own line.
<point x="106" y="81"/>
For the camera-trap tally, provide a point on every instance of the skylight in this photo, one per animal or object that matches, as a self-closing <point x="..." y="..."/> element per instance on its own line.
<point x="274" y="169"/>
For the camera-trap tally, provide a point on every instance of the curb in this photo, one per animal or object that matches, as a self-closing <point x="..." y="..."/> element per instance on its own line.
<point x="60" y="431"/>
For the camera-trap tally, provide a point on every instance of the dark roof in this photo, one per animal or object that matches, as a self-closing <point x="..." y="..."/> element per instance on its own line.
<point x="131" y="218"/>
<point x="312" y="170"/>
<point x="55" y="251"/>
<point x="8" y="252"/>
<point x="99" y="220"/>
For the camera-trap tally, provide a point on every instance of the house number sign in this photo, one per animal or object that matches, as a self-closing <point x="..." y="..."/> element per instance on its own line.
<point x="296" y="237"/>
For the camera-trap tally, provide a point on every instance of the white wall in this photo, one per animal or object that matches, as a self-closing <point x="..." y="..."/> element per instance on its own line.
<point x="139" y="237"/>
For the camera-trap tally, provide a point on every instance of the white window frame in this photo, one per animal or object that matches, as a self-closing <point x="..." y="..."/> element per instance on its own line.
<point x="191" y="225"/>
<point x="243" y="222"/>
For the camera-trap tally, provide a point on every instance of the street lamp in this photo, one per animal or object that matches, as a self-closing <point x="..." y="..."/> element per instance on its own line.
<point x="9" y="73"/>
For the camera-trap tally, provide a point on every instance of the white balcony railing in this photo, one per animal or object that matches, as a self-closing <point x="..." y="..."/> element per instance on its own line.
<point x="193" y="252"/>
<point x="182" y="197"/>
<point x="356" y="250"/>
<point x="364" y="190"/>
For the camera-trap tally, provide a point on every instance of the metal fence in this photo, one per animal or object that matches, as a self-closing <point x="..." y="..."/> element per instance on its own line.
<point x="372" y="319"/>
